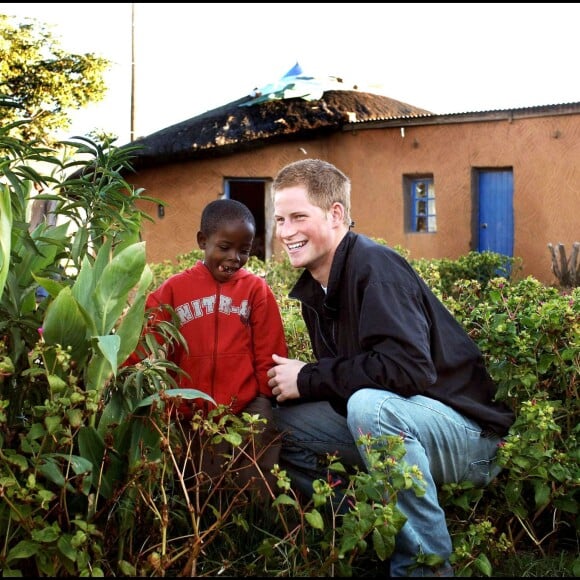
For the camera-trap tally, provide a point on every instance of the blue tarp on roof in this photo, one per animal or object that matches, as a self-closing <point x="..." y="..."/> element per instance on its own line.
<point x="296" y="84"/>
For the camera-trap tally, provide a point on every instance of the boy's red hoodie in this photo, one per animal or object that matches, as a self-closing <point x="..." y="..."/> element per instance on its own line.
<point x="232" y="329"/>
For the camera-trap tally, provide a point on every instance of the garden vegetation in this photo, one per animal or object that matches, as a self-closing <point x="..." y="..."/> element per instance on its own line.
<point x="97" y="479"/>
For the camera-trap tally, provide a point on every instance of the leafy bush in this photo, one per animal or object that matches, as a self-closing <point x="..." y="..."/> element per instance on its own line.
<point x="97" y="478"/>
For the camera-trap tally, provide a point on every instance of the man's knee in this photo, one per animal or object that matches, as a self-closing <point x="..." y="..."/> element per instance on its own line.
<point x="375" y="412"/>
<point x="357" y="406"/>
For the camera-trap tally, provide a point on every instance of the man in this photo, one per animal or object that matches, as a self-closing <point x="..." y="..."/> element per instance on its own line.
<point x="391" y="360"/>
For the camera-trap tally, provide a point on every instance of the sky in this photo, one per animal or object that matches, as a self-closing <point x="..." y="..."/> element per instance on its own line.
<point x="194" y="57"/>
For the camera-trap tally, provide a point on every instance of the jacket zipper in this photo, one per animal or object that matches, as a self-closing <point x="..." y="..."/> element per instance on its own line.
<point x="320" y="331"/>
<point x="215" y="340"/>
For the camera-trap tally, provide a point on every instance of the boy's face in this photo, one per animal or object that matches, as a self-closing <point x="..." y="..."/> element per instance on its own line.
<point x="227" y="249"/>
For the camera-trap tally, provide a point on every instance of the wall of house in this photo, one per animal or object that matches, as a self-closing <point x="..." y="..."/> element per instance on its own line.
<point x="543" y="152"/>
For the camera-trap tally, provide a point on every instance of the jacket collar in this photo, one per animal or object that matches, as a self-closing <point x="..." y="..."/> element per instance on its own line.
<point x="309" y="290"/>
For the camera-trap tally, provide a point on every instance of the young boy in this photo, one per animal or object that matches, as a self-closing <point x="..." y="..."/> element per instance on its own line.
<point x="231" y="323"/>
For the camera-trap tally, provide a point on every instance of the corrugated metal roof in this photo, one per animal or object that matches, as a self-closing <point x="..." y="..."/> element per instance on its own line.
<point x="470" y="116"/>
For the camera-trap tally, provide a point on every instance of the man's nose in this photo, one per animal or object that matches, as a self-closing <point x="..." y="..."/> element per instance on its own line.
<point x="284" y="229"/>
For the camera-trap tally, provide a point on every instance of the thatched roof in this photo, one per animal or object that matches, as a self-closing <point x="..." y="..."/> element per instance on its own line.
<point x="255" y="120"/>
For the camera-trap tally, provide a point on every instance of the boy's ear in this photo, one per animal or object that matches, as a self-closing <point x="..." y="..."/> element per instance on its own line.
<point x="201" y="240"/>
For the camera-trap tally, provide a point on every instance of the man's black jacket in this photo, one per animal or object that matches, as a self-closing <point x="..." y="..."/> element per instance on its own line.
<point x="379" y="325"/>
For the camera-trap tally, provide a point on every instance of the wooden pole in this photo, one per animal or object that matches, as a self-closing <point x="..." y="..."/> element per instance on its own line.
<point x="132" y="134"/>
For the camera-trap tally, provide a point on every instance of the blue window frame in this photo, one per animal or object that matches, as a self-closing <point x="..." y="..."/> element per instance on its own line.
<point x="423" y="213"/>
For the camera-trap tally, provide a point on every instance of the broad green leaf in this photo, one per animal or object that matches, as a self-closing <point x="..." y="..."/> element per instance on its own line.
<point x="53" y="424"/>
<point x="143" y="440"/>
<point x="75" y="417"/>
<point x="56" y="464"/>
<point x="84" y="286"/>
<point x="541" y="493"/>
<point x="398" y="519"/>
<point x="48" y="534"/>
<point x="113" y="413"/>
<point x="52" y="471"/>
<point x="127" y="568"/>
<point x="15" y="459"/>
<point x="558" y="472"/>
<point x="132" y="322"/>
<point x="545" y="361"/>
<point x="522" y="462"/>
<point x="109" y="347"/>
<point x="119" y="277"/>
<point x="48" y="241"/>
<point x="53" y="287"/>
<point x="233" y="438"/>
<point x="104" y="256"/>
<point x="80" y="241"/>
<point x="566" y="505"/>
<point x="24" y="549"/>
<point x="284" y="499"/>
<point x="379" y="546"/>
<point x="188" y="394"/>
<point x="57" y="385"/>
<point x="483" y="565"/>
<point x="348" y="543"/>
<point x="36" y="431"/>
<point x="64" y="324"/>
<point x="91" y="446"/>
<point x="65" y="546"/>
<point x="98" y="372"/>
<point x="5" y="234"/>
<point x="314" y="518"/>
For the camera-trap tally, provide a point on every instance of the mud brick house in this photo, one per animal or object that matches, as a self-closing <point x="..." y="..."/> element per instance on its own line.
<point x="438" y="185"/>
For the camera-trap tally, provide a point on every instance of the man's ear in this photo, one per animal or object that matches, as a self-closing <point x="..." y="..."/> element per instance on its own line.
<point x="337" y="212"/>
<point x="201" y="240"/>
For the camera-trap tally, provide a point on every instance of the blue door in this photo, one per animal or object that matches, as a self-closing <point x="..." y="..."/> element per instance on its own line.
<point x="496" y="211"/>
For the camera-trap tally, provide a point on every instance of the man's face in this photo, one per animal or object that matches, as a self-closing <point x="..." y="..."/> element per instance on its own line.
<point x="304" y="229"/>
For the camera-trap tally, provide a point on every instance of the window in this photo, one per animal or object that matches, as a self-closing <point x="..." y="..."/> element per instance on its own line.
<point x="422" y="205"/>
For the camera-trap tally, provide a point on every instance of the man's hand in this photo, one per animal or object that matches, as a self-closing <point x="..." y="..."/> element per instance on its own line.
<point x="283" y="378"/>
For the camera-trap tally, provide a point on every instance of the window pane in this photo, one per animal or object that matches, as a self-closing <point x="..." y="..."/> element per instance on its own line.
<point x="421" y="205"/>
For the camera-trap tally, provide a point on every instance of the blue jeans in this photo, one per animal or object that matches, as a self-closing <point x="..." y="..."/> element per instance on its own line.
<point x="446" y="446"/>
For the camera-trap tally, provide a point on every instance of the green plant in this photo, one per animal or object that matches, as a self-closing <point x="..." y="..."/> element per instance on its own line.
<point x="98" y="478"/>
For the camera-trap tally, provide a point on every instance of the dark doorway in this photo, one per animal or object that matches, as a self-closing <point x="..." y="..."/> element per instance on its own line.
<point x="251" y="192"/>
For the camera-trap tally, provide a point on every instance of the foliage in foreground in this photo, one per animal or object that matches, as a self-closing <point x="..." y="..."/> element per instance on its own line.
<point x="97" y="479"/>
